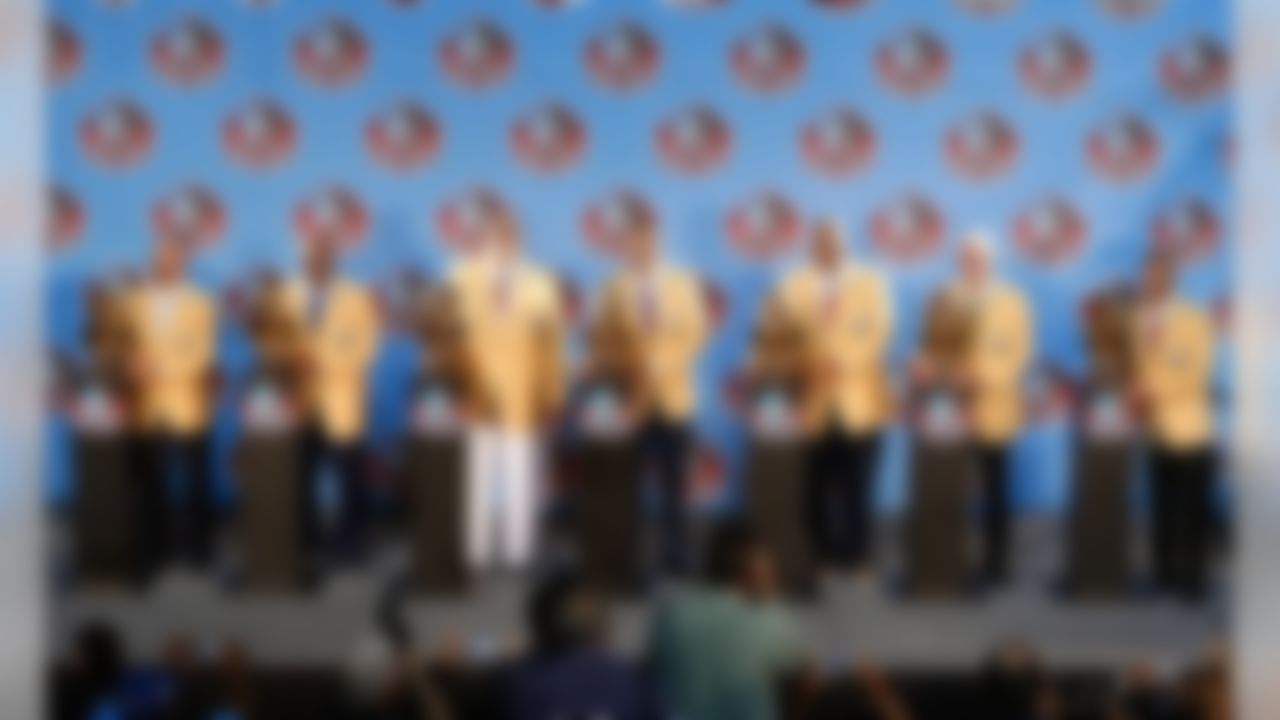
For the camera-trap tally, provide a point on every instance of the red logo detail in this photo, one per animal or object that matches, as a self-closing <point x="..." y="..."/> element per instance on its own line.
<point x="118" y="134"/>
<point x="64" y="52"/>
<point x="841" y="5"/>
<point x="403" y="137"/>
<point x="463" y="220"/>
<point x="192" y="214"/>
<point x="189" y="52"/>
<point x="550" y="139"/>
<point x="697" y="4"/>
<point x="1129" y="9"/>
<point x="609" y="221"/>
<point x="332" y="53"/>
<point x="695" y="140"/>
<point x="333" y="212"/>
<point x="838" y="143"/>
<point x="769" y="59"/>
<point x="908" y="229"/>
<point x="623" y="57"/>
<point x="763" y="226"/>
<point x="477" y="55"/>
<point x="987" y="8"/>
<point x="259" y="135"/>
<point x="982" y="147"/>
<point x="914" y="62"/>
<point x="1050" y="231"/>
<point x="1056" y="66"/>
<point x="66" y="219"/>
<point x="1189" y="229"/>
<point x="1124" y="149"/>
<point x="1196" y="69"/>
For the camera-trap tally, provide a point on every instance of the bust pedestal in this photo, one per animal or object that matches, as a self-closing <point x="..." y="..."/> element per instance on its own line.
<point x="435" y="467"/>
<point x="606" y="492"/>
<point x="109" y="509"/>
<point x="271" y="507"/>
<point x="777" y="494"/>
<point x="937" y="544"/>
<point x="1099" y="552"/>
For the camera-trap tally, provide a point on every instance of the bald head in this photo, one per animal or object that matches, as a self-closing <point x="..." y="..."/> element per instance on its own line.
<point x="826" y="244"/>
<point x="1159" y="275"/>
<point x="976" y="258"/>
<point x="169" y="259"/>
<point x="643" y="246"/>
<point x="320" y="257"/>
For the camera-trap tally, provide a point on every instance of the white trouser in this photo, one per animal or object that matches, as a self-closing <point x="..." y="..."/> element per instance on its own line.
<point x="501" y="496"/>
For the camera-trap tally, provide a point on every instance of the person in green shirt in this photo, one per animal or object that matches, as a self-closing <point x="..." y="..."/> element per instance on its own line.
<point x="722" y="650"/>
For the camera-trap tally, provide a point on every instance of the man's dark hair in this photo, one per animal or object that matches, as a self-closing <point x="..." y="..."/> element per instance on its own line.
<point x="563" y="613"/>
<point x="731" y="542"/>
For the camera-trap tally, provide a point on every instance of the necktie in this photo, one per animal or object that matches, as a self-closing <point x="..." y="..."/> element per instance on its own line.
<point x="830" y="298"/>
<point x="316" y="304"/>
<point x="502" y="289"/>
<point x="648" y="304"/>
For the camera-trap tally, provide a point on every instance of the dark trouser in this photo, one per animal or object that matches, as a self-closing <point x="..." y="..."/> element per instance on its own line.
<point x="664" y="450"/>
<point x="1181" y="481"/>
<point x="189" y="531"/>
<point x="993" y="473"/>
<point x="346" y="460"/>
<point x="840" y="473"/>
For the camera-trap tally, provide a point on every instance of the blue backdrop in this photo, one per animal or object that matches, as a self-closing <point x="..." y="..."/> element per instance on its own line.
<point x="1078" y="131"/>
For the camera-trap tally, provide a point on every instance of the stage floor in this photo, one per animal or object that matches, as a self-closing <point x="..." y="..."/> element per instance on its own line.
<point x="848" y="621"/>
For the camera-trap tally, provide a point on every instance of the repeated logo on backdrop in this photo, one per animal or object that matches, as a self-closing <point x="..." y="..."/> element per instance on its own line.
<point x="728" y="125"/>
<point x="477" y="55"/>
<point x="1057" y="65"/>
<point x="608" y="221"/>
<point x="117" y="134"/>
<point x="191" y="213"/>
<point x="913" y="62"/>
<point x="260" y="134"/>
<point x="624" y="57"/>
<point x="189" y="52"/>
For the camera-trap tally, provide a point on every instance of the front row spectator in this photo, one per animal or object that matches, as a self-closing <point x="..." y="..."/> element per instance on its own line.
<point x="724" y="650"/>
<point x="569" y="673"/>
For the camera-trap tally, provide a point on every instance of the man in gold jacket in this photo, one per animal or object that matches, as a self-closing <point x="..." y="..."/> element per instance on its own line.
<point x="511" y="314"/>
<point x="662" y="307"/>
<point x="173" y="358"/>
<point x="337" y="344"/>
<point x="1174" y="368"/>
<point x="1000" y="346"/>
<point x="843" y="312"/>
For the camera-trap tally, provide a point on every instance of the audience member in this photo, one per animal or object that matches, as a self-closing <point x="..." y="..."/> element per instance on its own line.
<point x="723" y="650"/>
<point x="568" y="672"/>
<point x="1012" y="686"/>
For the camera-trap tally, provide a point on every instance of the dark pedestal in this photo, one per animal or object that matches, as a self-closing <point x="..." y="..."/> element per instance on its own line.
<point x="270" y="523"/>
<point x="108" y="513"/>
<point x="435" y="473"/>
<point x="606" y="507"/>
<point x="937" y="547"/>
<point x="1099" y="557"/>
<point x="776" y="509"/>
